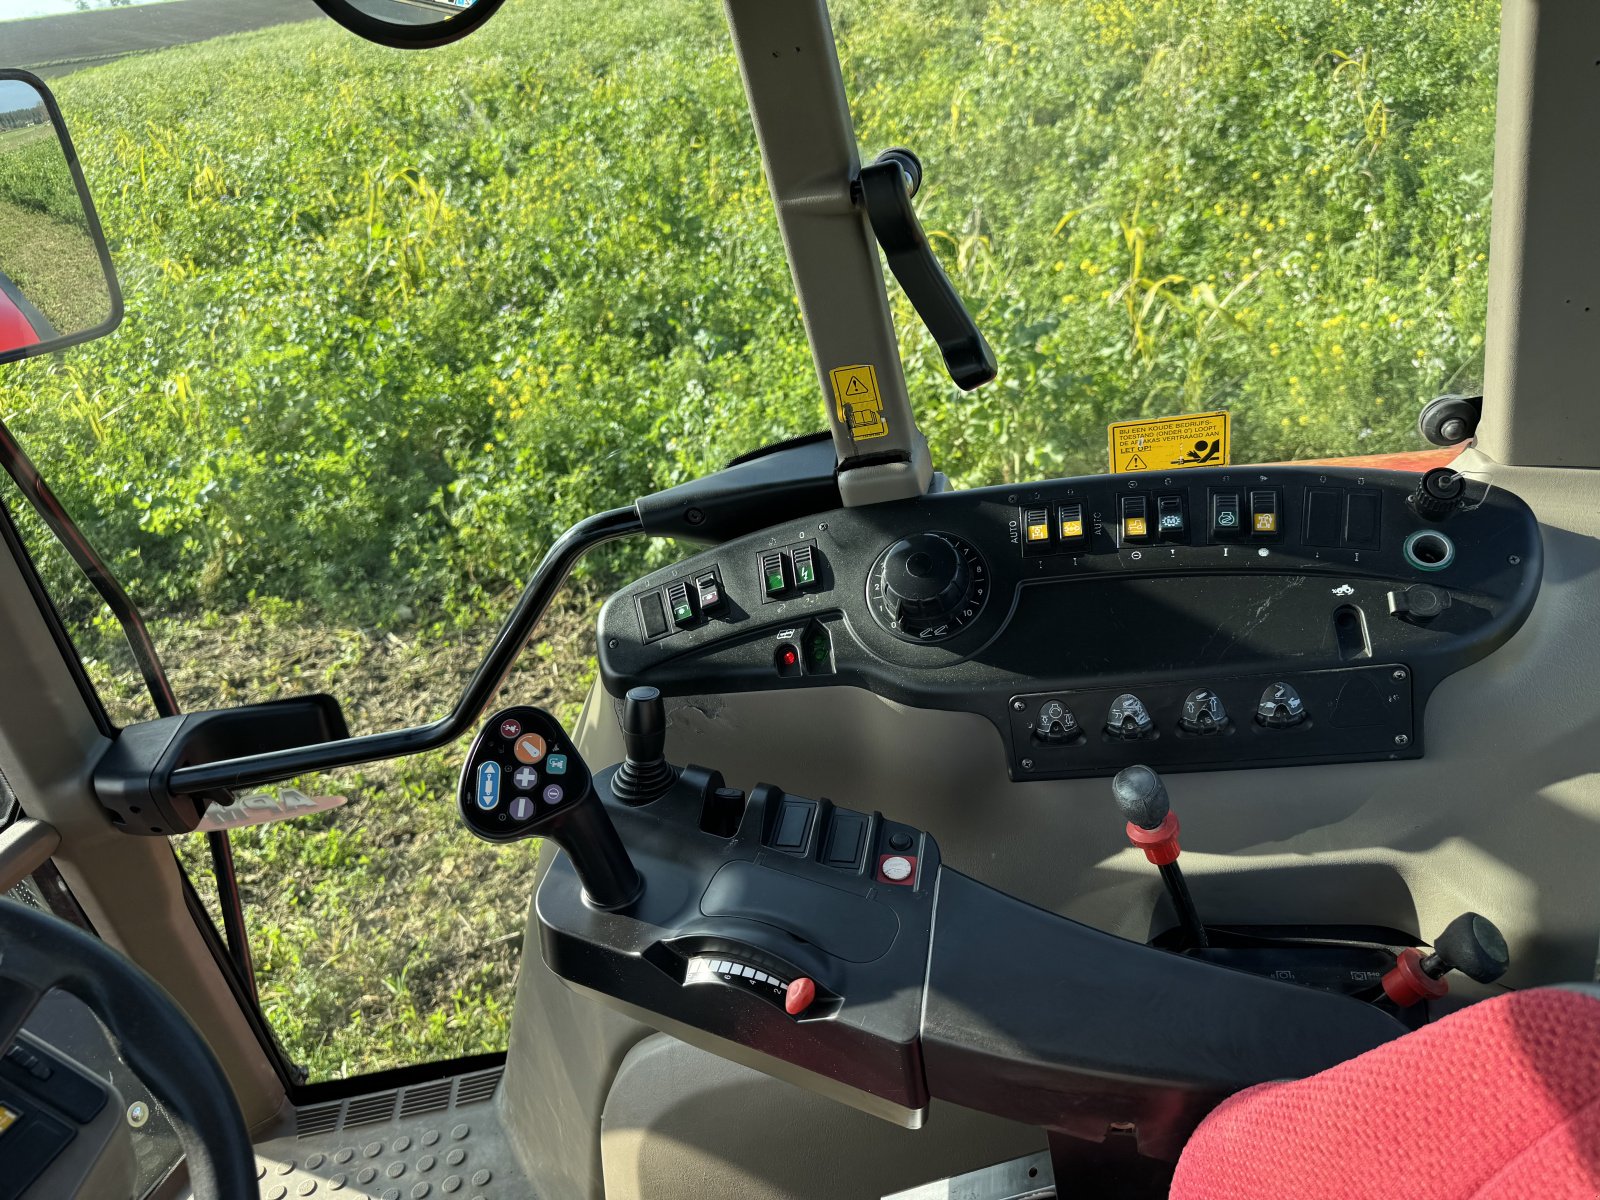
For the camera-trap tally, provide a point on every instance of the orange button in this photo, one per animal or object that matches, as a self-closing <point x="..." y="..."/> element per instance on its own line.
<point x="529" y="748"/>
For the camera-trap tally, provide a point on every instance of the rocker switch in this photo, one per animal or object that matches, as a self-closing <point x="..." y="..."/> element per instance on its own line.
<point x="709" y="592"/>
<point x="678" y="601"/>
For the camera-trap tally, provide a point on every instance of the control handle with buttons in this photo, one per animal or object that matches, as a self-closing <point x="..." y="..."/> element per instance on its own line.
<point x="524" y="778"/>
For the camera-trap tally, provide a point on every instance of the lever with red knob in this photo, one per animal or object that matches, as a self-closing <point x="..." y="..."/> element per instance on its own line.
<point x="1470" y="944"/>
<point x="1153" y="827"/>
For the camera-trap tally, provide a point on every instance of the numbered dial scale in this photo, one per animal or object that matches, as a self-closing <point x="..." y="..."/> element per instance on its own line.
<point x="928" y="586"/>
<point x="522" y="769"/>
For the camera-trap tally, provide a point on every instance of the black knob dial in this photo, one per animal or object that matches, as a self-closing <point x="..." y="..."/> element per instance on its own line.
<point x="927" y="586"/>
<point x="1439" y="493"/>
<point x="924" y="579"/>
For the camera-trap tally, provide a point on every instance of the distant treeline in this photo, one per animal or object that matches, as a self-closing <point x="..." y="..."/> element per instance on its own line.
<point x="21" y="118"/>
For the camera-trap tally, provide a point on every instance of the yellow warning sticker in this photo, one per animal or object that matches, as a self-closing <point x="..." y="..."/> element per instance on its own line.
<point x="1170" y="443"/>
<point x="858" y="401"/>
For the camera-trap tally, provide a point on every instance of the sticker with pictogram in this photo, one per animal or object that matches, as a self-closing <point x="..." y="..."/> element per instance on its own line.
<point x="858" y="402"/>
<point x="1170" y="443"/>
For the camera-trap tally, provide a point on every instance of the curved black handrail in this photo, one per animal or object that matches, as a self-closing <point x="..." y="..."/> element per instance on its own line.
<point x="531" y="606"/>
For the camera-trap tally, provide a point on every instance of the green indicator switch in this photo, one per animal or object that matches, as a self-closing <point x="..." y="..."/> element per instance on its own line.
<point x="805" y="569"/>
<point x="773" y="576"/>
<point x="678" y="601"/>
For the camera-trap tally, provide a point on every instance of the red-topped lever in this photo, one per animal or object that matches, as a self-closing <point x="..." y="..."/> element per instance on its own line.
<point x="1153" y="828"/>
<point x="1470" y="944"/>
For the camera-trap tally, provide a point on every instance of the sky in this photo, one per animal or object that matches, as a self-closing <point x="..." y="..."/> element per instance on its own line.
<point x="11" y="10"/>
<point x="15" y="94"/>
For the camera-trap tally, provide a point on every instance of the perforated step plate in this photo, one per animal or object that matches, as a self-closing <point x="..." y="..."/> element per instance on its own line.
<point x="434" y="1141"/>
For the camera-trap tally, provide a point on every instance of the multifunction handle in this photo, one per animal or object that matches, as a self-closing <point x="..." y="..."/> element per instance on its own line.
<point x="525" y="778"/>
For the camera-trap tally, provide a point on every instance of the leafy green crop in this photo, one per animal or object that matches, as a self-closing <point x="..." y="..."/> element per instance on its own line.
<point x="34" y="175"/>
<point x="395" y="320"/>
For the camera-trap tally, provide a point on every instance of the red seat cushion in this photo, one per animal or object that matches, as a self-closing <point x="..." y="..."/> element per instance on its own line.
<point x="1498" y="1101"/>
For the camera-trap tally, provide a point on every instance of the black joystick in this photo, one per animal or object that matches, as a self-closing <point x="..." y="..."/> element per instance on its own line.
<point x="1470" y="944"/>
<point x="645" y="774"/>
<point x="525" y="778"/>
<point x="1153" y="828"/>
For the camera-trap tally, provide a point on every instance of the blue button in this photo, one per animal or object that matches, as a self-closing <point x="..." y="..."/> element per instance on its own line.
<point x="488" y="786"/>
<point x="556" y="764"/>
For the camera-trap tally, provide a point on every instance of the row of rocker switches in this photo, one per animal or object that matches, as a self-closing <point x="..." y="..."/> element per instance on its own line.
<point x="792" y="569"/>
<point x="1070" y="529"/>
<point x="690" y="599"/>
<point x="681" y="604"/>
<point x="1168" y="523"/>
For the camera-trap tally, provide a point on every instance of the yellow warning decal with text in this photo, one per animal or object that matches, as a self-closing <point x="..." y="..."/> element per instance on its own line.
<point x="858" y="402"/>
<point x="1170" y="443"/>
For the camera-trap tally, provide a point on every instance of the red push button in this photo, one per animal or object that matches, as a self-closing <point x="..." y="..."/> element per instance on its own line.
<point x="798" y="996"/>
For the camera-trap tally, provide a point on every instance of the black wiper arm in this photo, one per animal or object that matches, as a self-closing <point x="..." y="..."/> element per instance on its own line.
<point x="884" y="188"/>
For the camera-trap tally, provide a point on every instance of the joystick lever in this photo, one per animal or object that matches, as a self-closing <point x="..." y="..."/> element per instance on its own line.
<point x="524" y="778"/>
<point x="1470" y="944"/>
<point x="1153" y="828"/>
<point x="645" y="774"/>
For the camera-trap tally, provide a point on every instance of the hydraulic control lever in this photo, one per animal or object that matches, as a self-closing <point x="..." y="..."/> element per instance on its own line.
<point x="885" y="188"/>
<point x="1470" y="944"/>
<point x="1153" y="828"/>
<point x="524" y="778"/>
<point x="644" y="774"/>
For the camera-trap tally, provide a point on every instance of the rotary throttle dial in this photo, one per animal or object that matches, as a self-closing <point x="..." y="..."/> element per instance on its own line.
<point x="928" y="586"/>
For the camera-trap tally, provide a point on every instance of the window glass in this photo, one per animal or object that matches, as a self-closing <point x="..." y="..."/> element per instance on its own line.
<point x="396" y="319"/>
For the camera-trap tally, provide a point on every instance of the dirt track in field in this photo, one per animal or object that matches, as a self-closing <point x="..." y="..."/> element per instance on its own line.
<point x="54" y="46"/>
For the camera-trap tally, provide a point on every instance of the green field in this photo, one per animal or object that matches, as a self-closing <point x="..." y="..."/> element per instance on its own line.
<point x="396" y="320"/>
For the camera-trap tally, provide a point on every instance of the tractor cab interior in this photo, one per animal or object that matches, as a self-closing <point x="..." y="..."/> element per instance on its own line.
<point x="1201" y="828"/>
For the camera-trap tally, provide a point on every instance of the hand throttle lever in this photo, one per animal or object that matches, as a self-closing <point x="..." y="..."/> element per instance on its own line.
<point x="1153" y="828"/>
<point x="524" y="778"/>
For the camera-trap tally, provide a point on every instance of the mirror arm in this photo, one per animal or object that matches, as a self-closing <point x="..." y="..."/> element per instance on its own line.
<point x="277" y="765"/>
<point x="53" y="513"/>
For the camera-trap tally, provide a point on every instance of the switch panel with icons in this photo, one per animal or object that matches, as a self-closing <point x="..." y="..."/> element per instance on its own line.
<point x="1066" y="595"/>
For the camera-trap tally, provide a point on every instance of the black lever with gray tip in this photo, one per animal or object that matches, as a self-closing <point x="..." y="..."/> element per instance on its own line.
<point x="1153" y="827"/>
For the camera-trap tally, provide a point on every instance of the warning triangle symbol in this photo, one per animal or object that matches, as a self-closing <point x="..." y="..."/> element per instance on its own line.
<point x="856" y="387"/>
<point x="1135" y="464"/>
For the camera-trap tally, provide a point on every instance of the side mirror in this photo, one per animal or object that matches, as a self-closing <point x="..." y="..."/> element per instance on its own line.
<point x="411" y="24"/>
<point x="57" y="286"/>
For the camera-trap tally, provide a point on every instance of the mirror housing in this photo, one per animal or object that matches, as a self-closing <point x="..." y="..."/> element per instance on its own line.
<point x="57" y="285"/>
<point x="411" y="24"/>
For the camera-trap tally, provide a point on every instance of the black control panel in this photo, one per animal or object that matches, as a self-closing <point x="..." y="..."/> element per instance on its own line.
<point x="831" y="947"/>
<point x="760" y="915"/>
<point x="1354" y="591"/>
